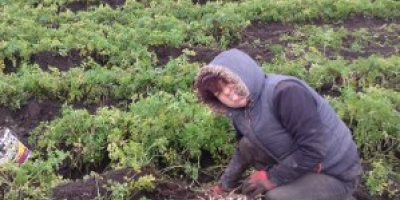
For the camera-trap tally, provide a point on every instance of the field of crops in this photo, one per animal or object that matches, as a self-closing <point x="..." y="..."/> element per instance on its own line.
<point x="101" y="90"/>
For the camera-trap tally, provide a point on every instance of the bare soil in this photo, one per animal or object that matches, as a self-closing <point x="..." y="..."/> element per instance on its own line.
<point x="76" y="6"/>
<point x="96" y="186"/>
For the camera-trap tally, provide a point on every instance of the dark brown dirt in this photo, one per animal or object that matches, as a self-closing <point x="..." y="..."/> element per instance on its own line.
<point x="259" y="38"/>
<point x="360" y="21"/>
<point x="10" y="67"/>
<point x="48" y="59"/>
<point x="202" y="54"/>
<point x="53" y="59"/>
<point x="76" y="6"/>
<point x="29" y="117"/>
<point x="201" y="2"/>
<point x="381" y="39"/>
<point x="97" y="185"/>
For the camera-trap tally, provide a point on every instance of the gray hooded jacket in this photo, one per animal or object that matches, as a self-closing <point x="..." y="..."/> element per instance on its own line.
<point x="296" y="153"/>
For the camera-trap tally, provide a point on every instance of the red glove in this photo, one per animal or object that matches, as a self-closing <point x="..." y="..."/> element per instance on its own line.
<point x="257" y="183"/>
<point x="217" y="190"/>
<point x="318" y="168"/>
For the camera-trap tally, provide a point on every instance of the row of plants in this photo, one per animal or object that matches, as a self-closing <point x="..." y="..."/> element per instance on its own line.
<point x="124" y="34"/>
<point x="92" y="83"/>
<point x="336" y="40"/>
<point x="319" y="71"/>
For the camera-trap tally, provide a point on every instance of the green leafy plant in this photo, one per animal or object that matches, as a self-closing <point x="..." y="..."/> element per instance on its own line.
<point x="377" y="180"/>
<point x="34" y="179"/>
<point x="124" y="190"/>
<point x="372" y="117"/>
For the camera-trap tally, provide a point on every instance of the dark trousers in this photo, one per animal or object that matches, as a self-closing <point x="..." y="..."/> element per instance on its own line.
<point x="311" y="186"/>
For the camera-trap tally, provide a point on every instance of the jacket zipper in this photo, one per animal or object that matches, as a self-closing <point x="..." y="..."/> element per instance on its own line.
<point x="254" y="135"/>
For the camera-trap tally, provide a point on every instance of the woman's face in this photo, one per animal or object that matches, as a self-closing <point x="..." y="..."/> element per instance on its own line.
<point x="229" y="97"/>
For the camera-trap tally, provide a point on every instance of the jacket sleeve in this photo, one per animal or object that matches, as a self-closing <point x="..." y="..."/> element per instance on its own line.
<point x="297" y="111"/>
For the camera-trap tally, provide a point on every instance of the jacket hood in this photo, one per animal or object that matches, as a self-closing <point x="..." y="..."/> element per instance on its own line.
<point x="238" y="68"/>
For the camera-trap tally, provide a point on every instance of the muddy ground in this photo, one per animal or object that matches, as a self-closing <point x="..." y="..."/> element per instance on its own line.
<point x="253" y="40"/>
